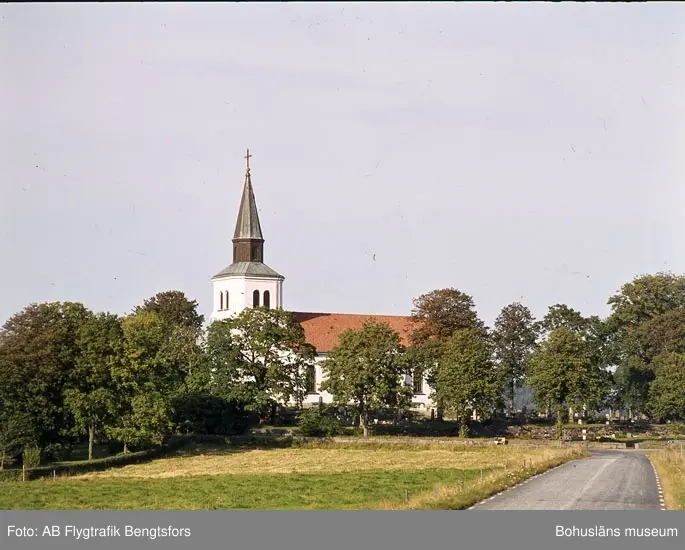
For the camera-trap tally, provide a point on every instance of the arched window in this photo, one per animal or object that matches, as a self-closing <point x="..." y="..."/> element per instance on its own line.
<point x="221" y="301"/>
<point x="226" y="300"/>
<point x="267" y="299"/>
<point x="255" y="254"/>
<point x="310" y="379"/>
<point x="417" y="380"/>
<point x="255" y="298"/>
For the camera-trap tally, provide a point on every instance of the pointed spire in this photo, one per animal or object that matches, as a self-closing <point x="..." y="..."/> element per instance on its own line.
<point x="247" y="226"/>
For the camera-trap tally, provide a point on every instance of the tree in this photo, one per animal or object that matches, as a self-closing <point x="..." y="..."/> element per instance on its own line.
<point x="663" y="333"/>
<point x="145" y="381"/>
<point x="174" y="309"/>
<point x="562" y="373"/>
<point x="91" y="393"/>
<point x="667" y="392"/>
<point x="440" y="313"/>
<point x="366" y="369"/>
<point x="38" y="350"/>
<point x="436" y="316"/>
<point x="514" y="337"/>
<point x="16" y="432"/>
<point x="258" y="358"/>
<point x="632" y="379"/>
<point x="560" y="315"/>
<point x="646" y="297"/>
<point x="466" y="380"/>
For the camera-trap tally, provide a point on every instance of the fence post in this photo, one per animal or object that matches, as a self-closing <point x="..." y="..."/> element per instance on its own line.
<point x="23" y="472"/>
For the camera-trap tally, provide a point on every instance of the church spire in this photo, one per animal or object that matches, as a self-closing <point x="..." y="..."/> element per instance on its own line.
<point x="248" y="242"/>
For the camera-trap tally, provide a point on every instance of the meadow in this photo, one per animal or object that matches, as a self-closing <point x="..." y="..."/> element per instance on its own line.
<point x="361" y="474"/>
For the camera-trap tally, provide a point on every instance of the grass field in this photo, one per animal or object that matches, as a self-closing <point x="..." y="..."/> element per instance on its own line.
<point x="352" y="475"/>
<point x="670" y="464"/>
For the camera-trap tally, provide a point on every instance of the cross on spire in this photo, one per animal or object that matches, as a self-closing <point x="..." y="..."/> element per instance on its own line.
<point x="247" y="158"/>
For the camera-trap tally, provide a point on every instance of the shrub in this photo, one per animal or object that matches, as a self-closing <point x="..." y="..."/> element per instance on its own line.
<point x="31" y="457"/>
<point x="676" y="428"/>
<point x="202" y="413"/>
<point x="316" y="422"/>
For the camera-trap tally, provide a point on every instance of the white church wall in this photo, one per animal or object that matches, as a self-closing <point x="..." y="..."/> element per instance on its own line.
<point x="240" y="294"/>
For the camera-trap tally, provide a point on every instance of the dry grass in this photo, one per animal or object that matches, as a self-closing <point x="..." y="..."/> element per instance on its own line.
<point x="464" y="494"/>
<point x="670" y="464"/>
<point x="338" y="457"/>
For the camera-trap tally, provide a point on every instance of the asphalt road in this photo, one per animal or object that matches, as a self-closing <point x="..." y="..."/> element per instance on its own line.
<point x="609" y="480"/>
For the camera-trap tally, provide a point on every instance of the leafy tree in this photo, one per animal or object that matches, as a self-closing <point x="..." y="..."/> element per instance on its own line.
<point x="632" y="379"/>
<point x="145" y="381"/>
<point x="91" y="393"/>
<point x="562" y="373"/>
<point x="514" y="337"/>
<point x="258" y="358"/>
<point x="38" y="350"/>
<point x="16" y="432"/>
<point x="466" y="380"/>
<point x="646" y="297"/>
<point x="174" y="309"/>
<point x="367" y="369"/>
<point x="440" y="313"/>
<point x="663" y="333"/>
<point x="436" y="316"/>
<point x="560" y="315"/>
<point x="667" y="392"/>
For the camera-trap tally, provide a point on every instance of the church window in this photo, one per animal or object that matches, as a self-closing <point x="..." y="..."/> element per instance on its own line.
<point x="267" y="299"/>
<point x="255" y="253"/>
<point x="226" y="301"/>
<point x="310" y="379"/>
<point x="221" y="301"/>
<point x="417" y="382"/>
<point x="255" y="298"/>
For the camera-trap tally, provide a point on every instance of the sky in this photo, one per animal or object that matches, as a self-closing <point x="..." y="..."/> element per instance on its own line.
<point x="517" y="152"/>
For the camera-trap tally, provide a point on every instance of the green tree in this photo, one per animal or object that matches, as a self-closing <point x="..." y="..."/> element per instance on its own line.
<point x="466" y="380"/>
<point x="632" y="379"/>
<point x="514" y="338"/>
<point x="145" y="382"/>
<point x="174" y="308"/>
<point x="16" y="432"/>
<point x="91" y="393"/>
<point x="663" y="333"/>
<point x="667" y="392"/>
<point x="367" y="369"/>
<point x="259" y="358"/>
<point x="436" y="316"/>
<point x="646" y="297"/>
<point x="562" y="373"/>
<point x="38" y="351"/>
<point x="560" y="315"/>
<point x="440" y="313"/>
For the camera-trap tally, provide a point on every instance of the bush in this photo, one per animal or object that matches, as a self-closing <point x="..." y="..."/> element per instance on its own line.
<point x="676" y="428"/>
<point x="203" y="413"/>
<point x="30" y="458"/>
<point x="316" y="422"/>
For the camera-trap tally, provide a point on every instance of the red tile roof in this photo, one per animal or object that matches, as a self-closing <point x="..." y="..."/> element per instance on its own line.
<point x="323" y="330"/>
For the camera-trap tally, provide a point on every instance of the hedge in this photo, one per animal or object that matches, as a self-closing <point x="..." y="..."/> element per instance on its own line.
<point x="96" y="465"/>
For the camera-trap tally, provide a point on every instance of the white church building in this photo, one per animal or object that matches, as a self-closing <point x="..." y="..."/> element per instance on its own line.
<point x="249" y="282"/>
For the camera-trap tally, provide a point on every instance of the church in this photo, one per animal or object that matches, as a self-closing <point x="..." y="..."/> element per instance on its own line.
<point x="249" y="282"/>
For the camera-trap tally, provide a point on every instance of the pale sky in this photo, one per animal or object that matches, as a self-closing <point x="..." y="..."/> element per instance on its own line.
<point x="531" y="152"/>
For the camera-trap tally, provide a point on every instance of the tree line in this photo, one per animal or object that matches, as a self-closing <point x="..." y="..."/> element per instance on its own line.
<point x="68" y="374"/>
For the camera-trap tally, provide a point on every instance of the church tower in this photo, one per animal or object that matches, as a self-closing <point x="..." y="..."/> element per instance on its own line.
<point x="247" y="282"/>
